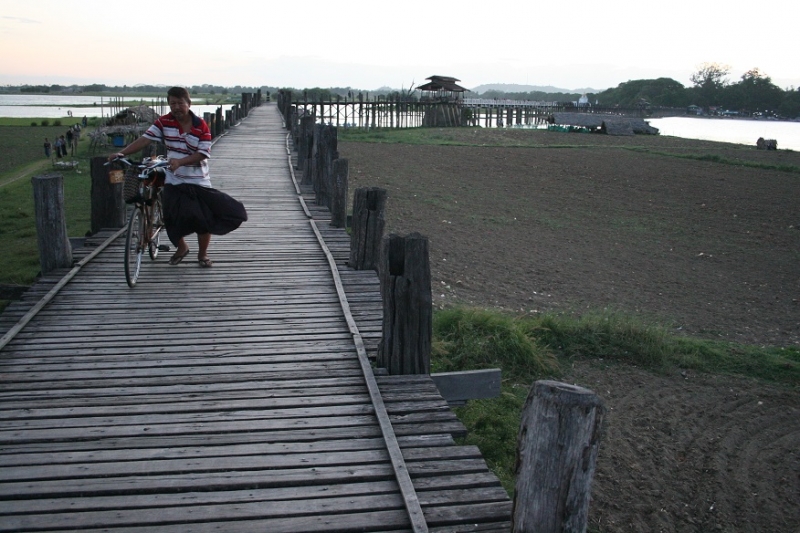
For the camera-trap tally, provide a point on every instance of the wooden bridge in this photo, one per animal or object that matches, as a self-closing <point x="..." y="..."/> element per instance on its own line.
<point x="238" y="398"/>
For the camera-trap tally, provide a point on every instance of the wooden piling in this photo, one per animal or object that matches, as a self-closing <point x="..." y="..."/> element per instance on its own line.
<point x="369" y="206"/>
<point x="325" y="152"/>
<point x="405" y="278"/>
<point x="55" y="250"/>
<point x="306" y="140"/>
<point x="556" y="455"/>
<point x="339" y="180"/>
<point x="107" y="205"/>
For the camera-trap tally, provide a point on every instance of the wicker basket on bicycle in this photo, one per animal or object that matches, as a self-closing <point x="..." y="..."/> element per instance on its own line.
<point x="133" y="188"/>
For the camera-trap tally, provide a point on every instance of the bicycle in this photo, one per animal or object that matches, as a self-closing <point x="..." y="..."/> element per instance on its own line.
<point x="146" y="222"/>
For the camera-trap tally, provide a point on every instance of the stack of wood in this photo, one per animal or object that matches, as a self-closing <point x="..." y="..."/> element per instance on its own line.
<point x="608" y="124"/>
<point x="766" y="144"/>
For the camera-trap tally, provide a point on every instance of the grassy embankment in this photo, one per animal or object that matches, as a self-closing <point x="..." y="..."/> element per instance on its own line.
<point x="528" y="348"/>
<point x="22" y="158"/>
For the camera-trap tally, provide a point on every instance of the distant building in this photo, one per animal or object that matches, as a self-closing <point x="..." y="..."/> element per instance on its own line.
<point x="442" y="88"/>
<point x="583" y="101"/>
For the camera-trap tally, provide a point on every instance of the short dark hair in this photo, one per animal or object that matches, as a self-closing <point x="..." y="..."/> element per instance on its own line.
<point x="179" y="92"/>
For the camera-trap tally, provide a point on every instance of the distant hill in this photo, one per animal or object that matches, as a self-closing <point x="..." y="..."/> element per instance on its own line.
<point x="515" y="88"/>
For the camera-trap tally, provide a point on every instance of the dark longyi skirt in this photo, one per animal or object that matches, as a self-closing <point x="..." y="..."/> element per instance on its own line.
<point x="193" y="209"/>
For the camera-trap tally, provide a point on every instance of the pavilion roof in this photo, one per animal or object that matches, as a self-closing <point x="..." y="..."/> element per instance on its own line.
<point x="442" y="83"/>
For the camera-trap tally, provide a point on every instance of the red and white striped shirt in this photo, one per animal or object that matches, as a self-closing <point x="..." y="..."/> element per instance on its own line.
<point x="182" y="144"/>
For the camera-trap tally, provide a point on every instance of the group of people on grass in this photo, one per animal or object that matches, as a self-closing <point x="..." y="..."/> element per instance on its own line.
<point x="64" y="143"/>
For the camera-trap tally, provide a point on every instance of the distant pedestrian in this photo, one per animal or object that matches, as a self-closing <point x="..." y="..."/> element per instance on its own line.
<point x="58" y="147"/>
<point x="70" y="135"/>
<point x="84" y="122"/>
<point x="63" y="143"/>
<point x="76" y="135"/>
<point x="47" y="147"/>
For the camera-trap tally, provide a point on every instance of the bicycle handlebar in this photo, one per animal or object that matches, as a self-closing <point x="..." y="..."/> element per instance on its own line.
<point x="122" y="159"/>
<point x="147" y="164"/>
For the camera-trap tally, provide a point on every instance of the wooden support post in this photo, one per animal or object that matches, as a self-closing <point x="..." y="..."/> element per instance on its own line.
<point x="284" y="103"/>
<point x="369" y="205"/>
<point x="313" y="170"/>
<point x="305" y="144"/>
<point x="556" y="455"/>
<point x="341" y="169"/>
<point x="220" y="122"/>
<point x="55" y="250"/>
<point x="210" y="122"/>
<point x="294" y="125"/>
<point x="405" y="278"/>
<point x="107" y="205"/>
<point x="326" y="151"/>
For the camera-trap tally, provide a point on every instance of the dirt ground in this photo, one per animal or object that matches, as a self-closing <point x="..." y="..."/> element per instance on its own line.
<point x="574" y="222"/>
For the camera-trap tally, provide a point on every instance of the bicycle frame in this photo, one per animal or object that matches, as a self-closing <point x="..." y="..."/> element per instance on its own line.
<point x="146" y="219"/>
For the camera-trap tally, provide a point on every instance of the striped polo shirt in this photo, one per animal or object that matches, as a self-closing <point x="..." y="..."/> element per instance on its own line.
<point x="182" y="144"/>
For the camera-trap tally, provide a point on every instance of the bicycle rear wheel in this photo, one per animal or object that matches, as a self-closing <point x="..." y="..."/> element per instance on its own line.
<point x="134" y="246"/>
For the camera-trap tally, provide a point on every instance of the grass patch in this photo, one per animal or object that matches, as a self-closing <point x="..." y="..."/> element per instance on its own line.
<point x="511" y="138"/>
<point x="532" y="348"/>
<point x="473" y="136"/>
<point x="18" y="224"/>
<point x="59" y="123"/>
<point x="419" y="136"/>
<point x="475" y="338"/>
<point x="715" y="158"/>
<point x="23" y="157"/>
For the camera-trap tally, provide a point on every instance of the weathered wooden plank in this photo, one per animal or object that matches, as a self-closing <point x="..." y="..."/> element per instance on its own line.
<point x="157" y="501"/>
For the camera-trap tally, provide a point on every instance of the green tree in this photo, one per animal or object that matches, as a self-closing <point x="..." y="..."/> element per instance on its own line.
<point x="790" y="105"/>
<point x="709" y="81"/>
<point x="756" y="92"/>
<point x="664" y="92"/>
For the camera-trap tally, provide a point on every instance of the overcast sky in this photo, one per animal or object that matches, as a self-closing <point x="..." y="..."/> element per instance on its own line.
<point x="371" y="44"/>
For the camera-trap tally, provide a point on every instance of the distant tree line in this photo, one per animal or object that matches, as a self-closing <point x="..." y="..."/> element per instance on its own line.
<point x="312" y="94"/>
<point x="99" y="88"/>
<point x="536" y="96"/>
<point x="754" y="93"/>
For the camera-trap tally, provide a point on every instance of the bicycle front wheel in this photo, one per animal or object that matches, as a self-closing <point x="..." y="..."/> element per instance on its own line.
<point x="134" y="246"/>
<point x="156" y="225"/>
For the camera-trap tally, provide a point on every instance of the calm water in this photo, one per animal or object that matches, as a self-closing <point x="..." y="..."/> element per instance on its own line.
<point x="45" y="106"/>
<point x="731" y="130"/>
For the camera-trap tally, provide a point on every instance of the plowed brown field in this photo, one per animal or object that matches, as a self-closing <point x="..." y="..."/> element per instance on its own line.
<point x="573" y="222"/>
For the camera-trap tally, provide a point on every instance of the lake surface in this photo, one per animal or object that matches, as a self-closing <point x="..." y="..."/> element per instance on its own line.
<point x="46" y="106"/>
<point x="731" y="130"/>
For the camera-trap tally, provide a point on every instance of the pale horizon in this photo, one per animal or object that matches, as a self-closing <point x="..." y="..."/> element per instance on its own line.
<point x="367" y="46"/>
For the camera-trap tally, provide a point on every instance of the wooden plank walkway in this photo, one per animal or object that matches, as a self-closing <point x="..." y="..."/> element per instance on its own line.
<point x="225" y="399"/>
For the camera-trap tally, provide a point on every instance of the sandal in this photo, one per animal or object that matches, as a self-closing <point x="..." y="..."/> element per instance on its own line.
<point x="205" y="262"/>
<point x="177" y="257"/>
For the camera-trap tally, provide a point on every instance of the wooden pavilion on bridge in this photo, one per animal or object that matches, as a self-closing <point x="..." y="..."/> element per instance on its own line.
<point x="442" y="88"/>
